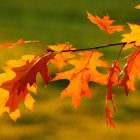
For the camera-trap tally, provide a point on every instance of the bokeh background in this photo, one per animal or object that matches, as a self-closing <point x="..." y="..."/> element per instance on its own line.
<point x="53" y="21"/>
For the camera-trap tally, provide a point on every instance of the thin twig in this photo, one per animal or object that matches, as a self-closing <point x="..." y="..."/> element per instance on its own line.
<point x="95" y="48"/>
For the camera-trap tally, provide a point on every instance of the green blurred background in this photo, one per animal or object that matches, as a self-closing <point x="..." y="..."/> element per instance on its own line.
<point x="53" y="21"/>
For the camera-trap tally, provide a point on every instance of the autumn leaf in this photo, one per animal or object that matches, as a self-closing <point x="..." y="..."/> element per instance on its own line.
<point x="19" y="77"/>
<point x="60" y="58"/>
<point x="112" y="80"/>
<point x="21" y="41"/>
<point x="5" y="94"/>
<point x="108" y="117"/>
<point x="83" y="72"/>
<point x="137" y="7"/>
<point x="105" y="23"/>
<point x="134" y="35"/>
<point x="131" y="69"/>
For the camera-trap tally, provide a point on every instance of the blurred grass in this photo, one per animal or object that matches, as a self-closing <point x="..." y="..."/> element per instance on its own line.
<point x="58" y="22"/>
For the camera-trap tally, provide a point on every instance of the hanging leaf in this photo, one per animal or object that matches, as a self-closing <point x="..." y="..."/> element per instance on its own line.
<point x="84" y="72"/>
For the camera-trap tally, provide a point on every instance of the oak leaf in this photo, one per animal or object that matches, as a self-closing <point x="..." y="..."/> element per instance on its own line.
<point x="108" y="117"/>
<point x="112" y="79"/>
<point x="83" y="72"/>
<point x="21" y="41"/>
<point x="105" y="23"/>
<point x="60" y="58"/>
<point x="131" y="69"/>
<point x="134" y="35"/>
<point x="19" y="77"/>
<point x="137" y="7"/>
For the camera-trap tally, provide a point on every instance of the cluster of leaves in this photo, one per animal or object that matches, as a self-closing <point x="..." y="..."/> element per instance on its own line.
<point x="20" y="75"/>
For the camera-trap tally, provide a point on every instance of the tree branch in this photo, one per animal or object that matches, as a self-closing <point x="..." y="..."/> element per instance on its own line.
<point x="95" y="48"/>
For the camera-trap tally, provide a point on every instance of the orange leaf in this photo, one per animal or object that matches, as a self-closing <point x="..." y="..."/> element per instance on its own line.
<point x="60" y="59"/>
<point x="134" y="35"/>
<point x="11" y="45"/>
<point x="137" y="7"/>
<point x="105" y="23"/>
<point x="132" y="69"/>
<point x="19" y="42"/>
<point x="84" y="72"/>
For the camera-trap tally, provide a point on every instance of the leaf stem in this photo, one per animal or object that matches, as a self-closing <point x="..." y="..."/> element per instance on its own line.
<point x="108" y="37"/>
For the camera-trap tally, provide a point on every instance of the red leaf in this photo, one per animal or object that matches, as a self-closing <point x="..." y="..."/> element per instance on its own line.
<point x="108" y="117"/>
<point x="20" y="76"/>
<point x="112" y="79"/>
